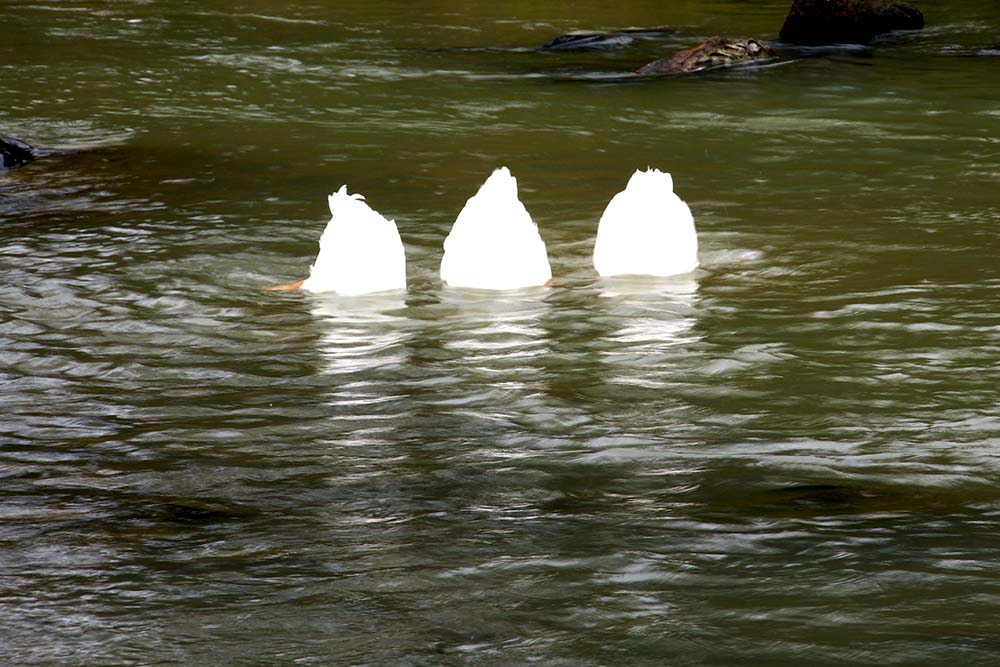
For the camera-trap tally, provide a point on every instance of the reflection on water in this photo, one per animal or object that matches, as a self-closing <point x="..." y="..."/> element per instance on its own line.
<point x="490" y="367"/>
<point x="360" y="333"/>
<point x="493" y="334"/>
<point x="652" y="317"/>
<point x="363" y="345"/>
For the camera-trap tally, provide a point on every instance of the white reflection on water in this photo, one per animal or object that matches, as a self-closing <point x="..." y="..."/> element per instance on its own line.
<point x="650" y="289"/>
<point x="496" y="338"/>
<point x="365" y="347"/>
<point x="653" y="317"/>
<point x="361" y="333"/>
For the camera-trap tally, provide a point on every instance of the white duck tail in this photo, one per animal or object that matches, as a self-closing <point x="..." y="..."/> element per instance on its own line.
<point x="494" y="244"/>
<point x="359" y="252"/>
<point x="646" y="230"/>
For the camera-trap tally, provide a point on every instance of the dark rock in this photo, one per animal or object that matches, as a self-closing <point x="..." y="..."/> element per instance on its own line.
<point x="820" y="22"/>
<point x="14" y="153"/>
<point x="714" y="53"/>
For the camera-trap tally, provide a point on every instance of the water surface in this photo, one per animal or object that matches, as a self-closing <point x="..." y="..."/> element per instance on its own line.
<point x="789" y="456"/>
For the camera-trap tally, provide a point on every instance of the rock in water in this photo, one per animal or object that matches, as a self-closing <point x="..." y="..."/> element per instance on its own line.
<point x="821" y="22"/>
<point x="713" y="53"/>
<point x="14" y="153"/>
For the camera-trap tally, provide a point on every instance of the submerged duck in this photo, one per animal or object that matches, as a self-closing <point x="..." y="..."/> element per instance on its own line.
<point x="646" y="230"/>
<point x="359" y="252"/>
<point x="494" y="243"/>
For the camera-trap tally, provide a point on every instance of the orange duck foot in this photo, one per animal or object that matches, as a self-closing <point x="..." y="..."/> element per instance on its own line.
<point x="285" y="288"/>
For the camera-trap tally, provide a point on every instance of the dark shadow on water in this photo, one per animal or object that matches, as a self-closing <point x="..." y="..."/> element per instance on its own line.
<point x="188" y="511"/>
<point x="831" y="499"/>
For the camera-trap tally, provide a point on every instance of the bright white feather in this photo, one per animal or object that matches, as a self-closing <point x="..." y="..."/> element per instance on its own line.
<point x="494" y="243"/>
<point x="359" y="252"/>
<point x="646" y="230"/>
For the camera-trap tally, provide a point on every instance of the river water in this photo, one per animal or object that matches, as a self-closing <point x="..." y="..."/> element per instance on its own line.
<point x="789" y="457"/>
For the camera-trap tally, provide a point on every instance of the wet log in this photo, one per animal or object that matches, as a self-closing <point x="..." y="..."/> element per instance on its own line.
<point x="714" y="53"/>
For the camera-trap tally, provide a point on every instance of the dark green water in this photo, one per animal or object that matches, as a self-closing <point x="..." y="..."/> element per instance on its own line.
<point x="790" y="457"/>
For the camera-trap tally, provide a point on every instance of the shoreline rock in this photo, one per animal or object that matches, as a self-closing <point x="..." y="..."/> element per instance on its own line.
<point x="823" y="22"/>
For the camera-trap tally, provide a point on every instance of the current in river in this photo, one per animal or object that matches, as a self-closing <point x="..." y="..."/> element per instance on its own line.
<point x="789" y="457"/>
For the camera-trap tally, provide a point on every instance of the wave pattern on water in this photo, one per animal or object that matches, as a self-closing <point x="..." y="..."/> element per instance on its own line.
<point x="787" y="457"/>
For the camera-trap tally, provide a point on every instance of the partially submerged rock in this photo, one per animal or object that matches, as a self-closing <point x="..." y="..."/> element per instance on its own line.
<point x="14" y="153"/>
<point x="822" y="22"/>
<point x="714" y="53"/>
